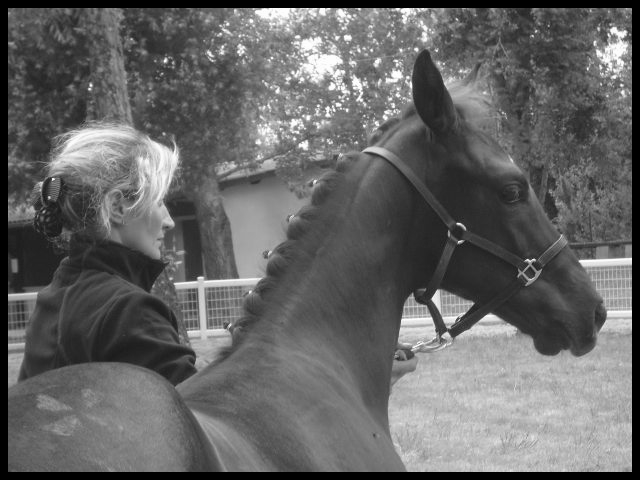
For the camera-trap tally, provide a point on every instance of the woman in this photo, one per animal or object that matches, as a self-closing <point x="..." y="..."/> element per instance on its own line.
<point x="103" y="201"/>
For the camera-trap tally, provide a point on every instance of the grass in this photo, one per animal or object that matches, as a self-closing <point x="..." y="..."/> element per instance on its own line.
<point x="495" y="404"/>
<point x="492" y="403"/>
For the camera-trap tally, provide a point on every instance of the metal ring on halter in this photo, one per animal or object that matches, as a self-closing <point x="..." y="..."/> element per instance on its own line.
<point x="437" y="343"/>
<point x="460" y="226"/>
<point x="525" y="274"/>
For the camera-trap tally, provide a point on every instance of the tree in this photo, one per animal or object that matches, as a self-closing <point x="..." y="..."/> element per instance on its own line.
<point x="351" y="72"/>
<point x="174" y="84"/>
<point x="203" y="76"/>
<point x="553" y="91"/>
<point x="108" y="79"/>
<point x="235" y="87"/>
<point x="594" y="196"/>
<point x="48" y="82"/>
<point x="106" y="86"/>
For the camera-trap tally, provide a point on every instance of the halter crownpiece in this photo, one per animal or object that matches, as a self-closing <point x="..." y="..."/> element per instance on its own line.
<point x="529" y="270"/>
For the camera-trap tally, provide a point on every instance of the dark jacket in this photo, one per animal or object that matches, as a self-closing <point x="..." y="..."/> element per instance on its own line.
<point x="98" y="309"/>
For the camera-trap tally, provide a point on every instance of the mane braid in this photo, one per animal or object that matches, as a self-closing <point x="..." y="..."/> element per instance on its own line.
<point x="284" y="255"/>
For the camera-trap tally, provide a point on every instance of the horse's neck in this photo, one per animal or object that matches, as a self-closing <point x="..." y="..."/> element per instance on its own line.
<point x="345" y="303"/>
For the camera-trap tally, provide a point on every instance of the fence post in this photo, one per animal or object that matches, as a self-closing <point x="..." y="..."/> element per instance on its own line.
<point x="202" y="308"/>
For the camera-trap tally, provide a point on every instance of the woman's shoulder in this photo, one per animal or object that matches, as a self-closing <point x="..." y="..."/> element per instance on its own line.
<point x="97" y="295"/>
<point x="103" y="283"/>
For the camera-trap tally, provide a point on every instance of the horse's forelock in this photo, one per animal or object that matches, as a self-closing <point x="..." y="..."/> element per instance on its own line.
<point x="471" y="104"/>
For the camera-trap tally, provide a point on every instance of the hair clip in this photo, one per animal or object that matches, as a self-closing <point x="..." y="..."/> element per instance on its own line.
<point x="51" y="190"/>
<point x="46" y="193"/>
<point x="36" y="196"/>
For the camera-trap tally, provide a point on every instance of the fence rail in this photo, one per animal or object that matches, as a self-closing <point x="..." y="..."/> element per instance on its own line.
<point x="208" y="304"/>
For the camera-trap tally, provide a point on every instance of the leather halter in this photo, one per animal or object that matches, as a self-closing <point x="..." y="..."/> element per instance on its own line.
<point x="528" y="269"/>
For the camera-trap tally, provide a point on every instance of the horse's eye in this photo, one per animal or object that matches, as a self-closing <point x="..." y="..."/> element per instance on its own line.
<point x="512" y="193"/>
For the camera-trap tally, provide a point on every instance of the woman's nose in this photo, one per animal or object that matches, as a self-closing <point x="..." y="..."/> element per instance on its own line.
<point x="167" y="222"/>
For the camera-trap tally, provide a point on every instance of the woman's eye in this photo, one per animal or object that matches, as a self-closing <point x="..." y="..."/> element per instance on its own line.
<point x="512" y="194"/>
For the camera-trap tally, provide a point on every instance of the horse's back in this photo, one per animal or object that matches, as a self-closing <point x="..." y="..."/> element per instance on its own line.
<point x="104" y="417"/>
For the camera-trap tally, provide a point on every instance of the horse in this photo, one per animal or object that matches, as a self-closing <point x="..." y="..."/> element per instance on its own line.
<point x="433" y="202"/>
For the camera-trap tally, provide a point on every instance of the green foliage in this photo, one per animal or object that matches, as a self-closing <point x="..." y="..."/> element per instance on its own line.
<point x="236" y="86"/>
<point x="601" y="211"/>
<point x="350" y="72"/>
<point x="566" y="116"/>
<point x="47" y="84"/>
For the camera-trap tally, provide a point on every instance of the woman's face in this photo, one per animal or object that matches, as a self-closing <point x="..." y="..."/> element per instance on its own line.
<point x="146" y="233"/>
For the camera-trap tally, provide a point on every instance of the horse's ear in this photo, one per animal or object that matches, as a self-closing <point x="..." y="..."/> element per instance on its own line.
<point x="473" y="75"/>
<point x="430" y="96"/>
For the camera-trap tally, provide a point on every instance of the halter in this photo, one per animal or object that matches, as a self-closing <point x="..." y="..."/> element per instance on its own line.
<point x="528" y="269"/>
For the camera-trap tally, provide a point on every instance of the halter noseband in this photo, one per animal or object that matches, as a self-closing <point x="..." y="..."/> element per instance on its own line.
<point x="528" y="269"/>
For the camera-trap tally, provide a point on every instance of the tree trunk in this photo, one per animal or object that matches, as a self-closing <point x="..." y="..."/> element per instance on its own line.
<point x="109" y="94"/>
<point x="110" y="101"/>
<point x="544" y="181"/>
<point x="166" y="290"/>
<point x="215" y="229"/>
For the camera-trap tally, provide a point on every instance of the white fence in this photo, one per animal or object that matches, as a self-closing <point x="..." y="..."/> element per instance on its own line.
<point x="208" y="304"/>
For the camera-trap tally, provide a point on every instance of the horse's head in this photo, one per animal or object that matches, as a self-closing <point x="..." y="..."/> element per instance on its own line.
<point x="479" y="185"/>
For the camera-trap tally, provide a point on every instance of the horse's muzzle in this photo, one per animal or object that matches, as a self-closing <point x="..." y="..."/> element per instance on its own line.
<point x="600" y="316"/>
<point x="589" y="342"/>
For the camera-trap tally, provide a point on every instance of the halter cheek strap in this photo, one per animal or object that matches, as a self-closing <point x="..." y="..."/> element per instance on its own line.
<point x="528" y="269"/>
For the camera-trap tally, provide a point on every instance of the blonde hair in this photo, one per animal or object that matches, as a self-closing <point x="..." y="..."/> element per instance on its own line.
<point x="101" y="160"/>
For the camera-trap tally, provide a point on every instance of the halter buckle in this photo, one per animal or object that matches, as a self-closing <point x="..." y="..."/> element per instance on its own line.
<point x="461" y="227"/>
<point x="439" y="342"/>
<point x="524" y="272"/>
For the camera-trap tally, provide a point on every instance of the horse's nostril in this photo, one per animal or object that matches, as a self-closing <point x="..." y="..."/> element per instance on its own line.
<point x="600" y="315"/>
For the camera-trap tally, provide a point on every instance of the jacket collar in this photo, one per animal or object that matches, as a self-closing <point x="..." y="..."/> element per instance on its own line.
<point x="113" y="257"/>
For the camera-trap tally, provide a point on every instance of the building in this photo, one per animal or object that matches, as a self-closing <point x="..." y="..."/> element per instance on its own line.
<point x="257" y="205"/>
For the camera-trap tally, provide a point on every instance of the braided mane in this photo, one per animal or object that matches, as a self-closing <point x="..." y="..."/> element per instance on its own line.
<point x="286" y="253"/>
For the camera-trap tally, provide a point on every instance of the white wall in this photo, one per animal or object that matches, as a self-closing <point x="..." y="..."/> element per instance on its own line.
<point x="258" y="216"/>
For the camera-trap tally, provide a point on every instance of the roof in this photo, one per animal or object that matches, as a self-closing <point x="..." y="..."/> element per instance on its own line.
<point x="20" y="215"/>
<point x="230" y="172"/>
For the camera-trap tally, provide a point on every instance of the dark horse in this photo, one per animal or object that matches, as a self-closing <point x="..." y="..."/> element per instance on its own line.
<point x="305" y="384"/>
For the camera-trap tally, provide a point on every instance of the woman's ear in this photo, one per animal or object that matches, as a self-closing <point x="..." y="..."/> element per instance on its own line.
<point x="116" y="203"/>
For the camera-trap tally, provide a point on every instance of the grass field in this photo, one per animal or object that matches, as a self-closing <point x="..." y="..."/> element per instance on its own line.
<point x="495" y="404"/>
<point x="492" y="403"/>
